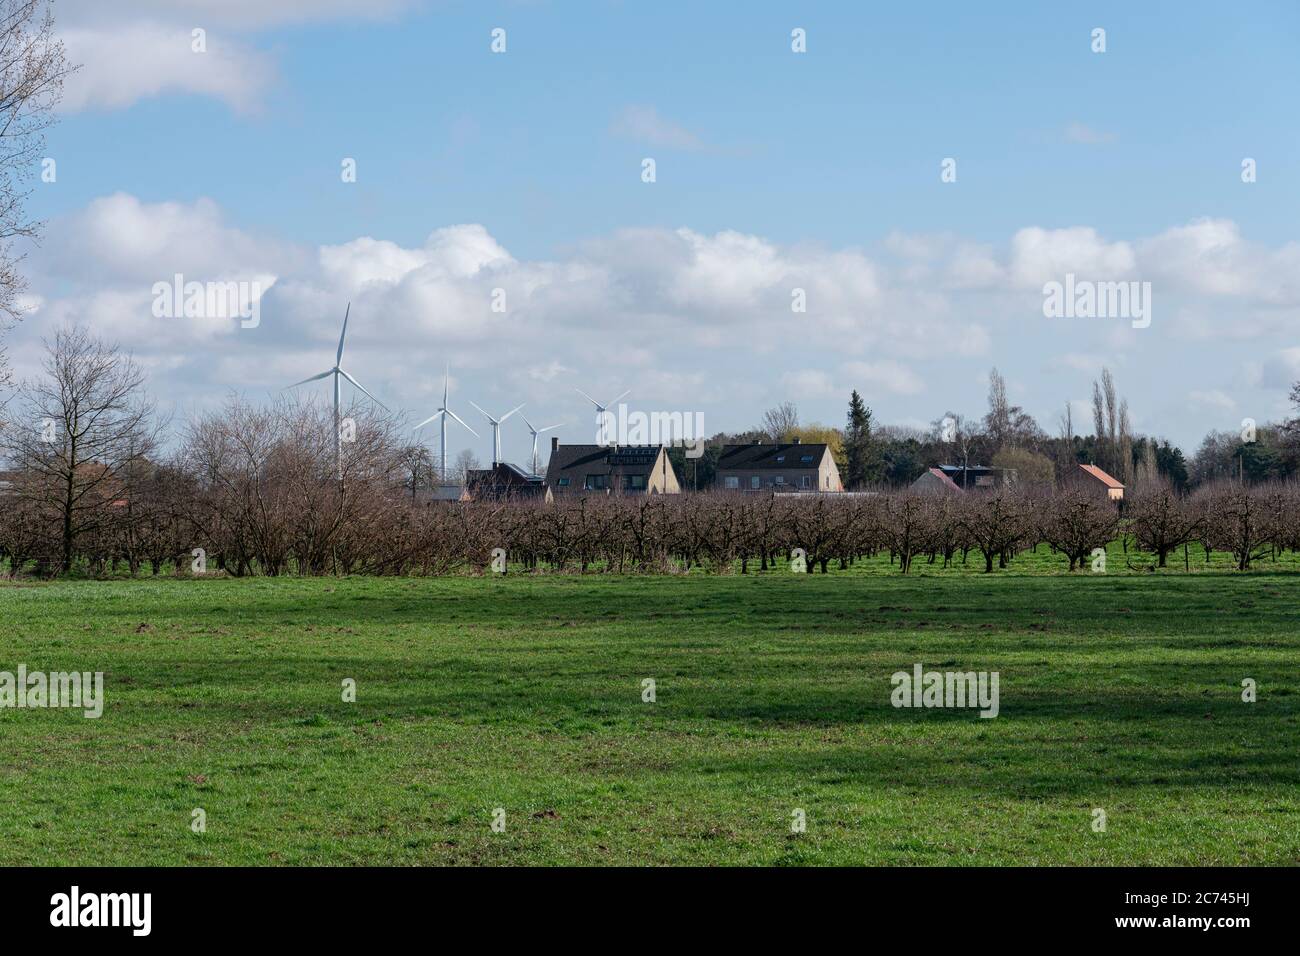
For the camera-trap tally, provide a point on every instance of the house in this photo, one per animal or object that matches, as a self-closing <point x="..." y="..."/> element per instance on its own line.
<point x="1092" y="477"/>
<point x="785" y="466"/>
<point x="934" y="481"/>
<point x="505" y="481"/>
<point x="440" y="494"/>
<point x="610" y="470"/>
<point x="977" y="477"/>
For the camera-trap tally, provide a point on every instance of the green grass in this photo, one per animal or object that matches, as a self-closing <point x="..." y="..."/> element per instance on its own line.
<point x="1118" y="691"/>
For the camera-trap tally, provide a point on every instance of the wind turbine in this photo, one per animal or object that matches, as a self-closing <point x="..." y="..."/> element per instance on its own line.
<point x="444" y="413"/>
<point x="496" y="430"/>
<point x="535" y="432"/>
<point x="337" y="371"/>
<point x="600" y="409"/>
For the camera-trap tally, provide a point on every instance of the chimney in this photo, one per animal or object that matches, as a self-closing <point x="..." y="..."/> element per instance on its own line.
<point x="555" y="444"/>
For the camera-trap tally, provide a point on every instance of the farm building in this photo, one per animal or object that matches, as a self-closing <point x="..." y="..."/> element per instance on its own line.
<point x="504" y="481"/>
<point x="965" y="478"/>
<point x="1092" y="477"/>
<point x="933" y="481"/>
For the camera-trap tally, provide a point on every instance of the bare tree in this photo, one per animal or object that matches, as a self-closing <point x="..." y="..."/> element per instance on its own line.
<point x="464" y="464"/>
<point x="781" y="422"/>
<point x="998" y="420"/>
<point x="32" y="71"/>
<point x="80" y="431"/>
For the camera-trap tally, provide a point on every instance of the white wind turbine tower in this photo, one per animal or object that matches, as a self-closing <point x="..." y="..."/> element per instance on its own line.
<point x="444" y="413"/>
<point x="496" y="431"/>
<point x="338" y="371"/>
<point x="535" y="432"/>
<point x="600" y="409"/>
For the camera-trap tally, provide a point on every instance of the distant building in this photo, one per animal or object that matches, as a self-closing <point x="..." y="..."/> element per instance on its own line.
<point x="440" y="494"/>
<point x="785" y="466"/>
<point x="1092" y="477"/>
<point x="933" y="481"/>
<point x="967" y="477"/>
<point x="504" y="481"/>
<point x="606" y="470"/>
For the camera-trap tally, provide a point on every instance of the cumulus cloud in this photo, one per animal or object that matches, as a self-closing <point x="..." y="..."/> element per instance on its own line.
<point x="127" y="63"/>
<point x="1045" y="255"/>
<point x="147" y="51"/>
<point x="687" y="319"/>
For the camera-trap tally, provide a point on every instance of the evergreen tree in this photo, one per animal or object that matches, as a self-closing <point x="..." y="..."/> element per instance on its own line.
<point x="858" y="444"/>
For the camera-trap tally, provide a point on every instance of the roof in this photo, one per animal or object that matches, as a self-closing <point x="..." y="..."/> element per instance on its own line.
<point x="602" y="460"/>
<point x="1101" y="476"/>
<point x="501" y="472"/>
<point x="783" y="456"/>
<point x="441" y="493"/>
<point x="947" y="482"/>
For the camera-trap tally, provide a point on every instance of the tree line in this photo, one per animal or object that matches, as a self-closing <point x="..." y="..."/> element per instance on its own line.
<point x="252" y="490"/>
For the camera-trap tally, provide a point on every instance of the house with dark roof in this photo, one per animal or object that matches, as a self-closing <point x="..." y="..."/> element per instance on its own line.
<point x="784" y="466"/>
<point x="439" y="494"/>
<point x="504" y="481"/>
<point x="1092" y="477"/>
<point x="610" y="470"/>
<point x="970" y="477"/>
<point x="934" y="481"/>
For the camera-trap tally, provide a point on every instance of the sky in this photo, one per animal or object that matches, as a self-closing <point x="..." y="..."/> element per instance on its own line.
<point x="517" y="179"/>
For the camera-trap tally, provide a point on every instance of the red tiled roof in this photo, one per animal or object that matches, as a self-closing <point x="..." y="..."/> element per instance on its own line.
<point x="1101" y="476"/>
<point x="948" y="482"/>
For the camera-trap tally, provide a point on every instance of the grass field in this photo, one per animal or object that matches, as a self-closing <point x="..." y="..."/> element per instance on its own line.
<point x="1118" y="691"/>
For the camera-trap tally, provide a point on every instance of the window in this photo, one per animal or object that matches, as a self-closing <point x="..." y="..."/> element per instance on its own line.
<point x="780" y="458"/>
<point x="805" y="481"/>
<point x="596" y="482"/>
<point x="563" y="482"/>
<point x="755" y="481"/>
<point x="778" y="479"/>
<point x="731" y="481"/>
<point x="634" y="481"/>
<point x="806" y="459"/>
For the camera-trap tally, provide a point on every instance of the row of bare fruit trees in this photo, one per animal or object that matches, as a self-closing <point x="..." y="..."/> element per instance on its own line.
<point x="260" y="499"/>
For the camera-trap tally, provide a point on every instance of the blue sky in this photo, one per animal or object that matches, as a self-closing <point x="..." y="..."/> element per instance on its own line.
<point x="773" y="168"/>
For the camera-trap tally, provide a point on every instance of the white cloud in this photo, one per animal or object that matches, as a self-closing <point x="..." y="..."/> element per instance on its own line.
<point x="1211" y="398"/>
<point x="1077" y="132"/>
<point x="645" y="125"/>
<point x="885" y="376"/>
<point x="137" y="61"/>
<point x="1044" y="255"/>
<point x="689" y="319"/>
<point x="146" y="51"/>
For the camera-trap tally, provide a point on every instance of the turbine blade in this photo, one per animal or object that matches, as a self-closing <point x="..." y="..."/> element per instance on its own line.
<point x="624" y="395"/>
<point x="509" y="413"/>
<point x="312" y="379"/>
<point x="462" y="421"/>
<point x="363" y="388"/>
<point x="339" y="358"/>
<point x="528" y="423"/>
<point x="431" y="418"/>
<point x="548" y="428"/>
<point x="587" y="397"/>
<point x="484" y="414"/>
